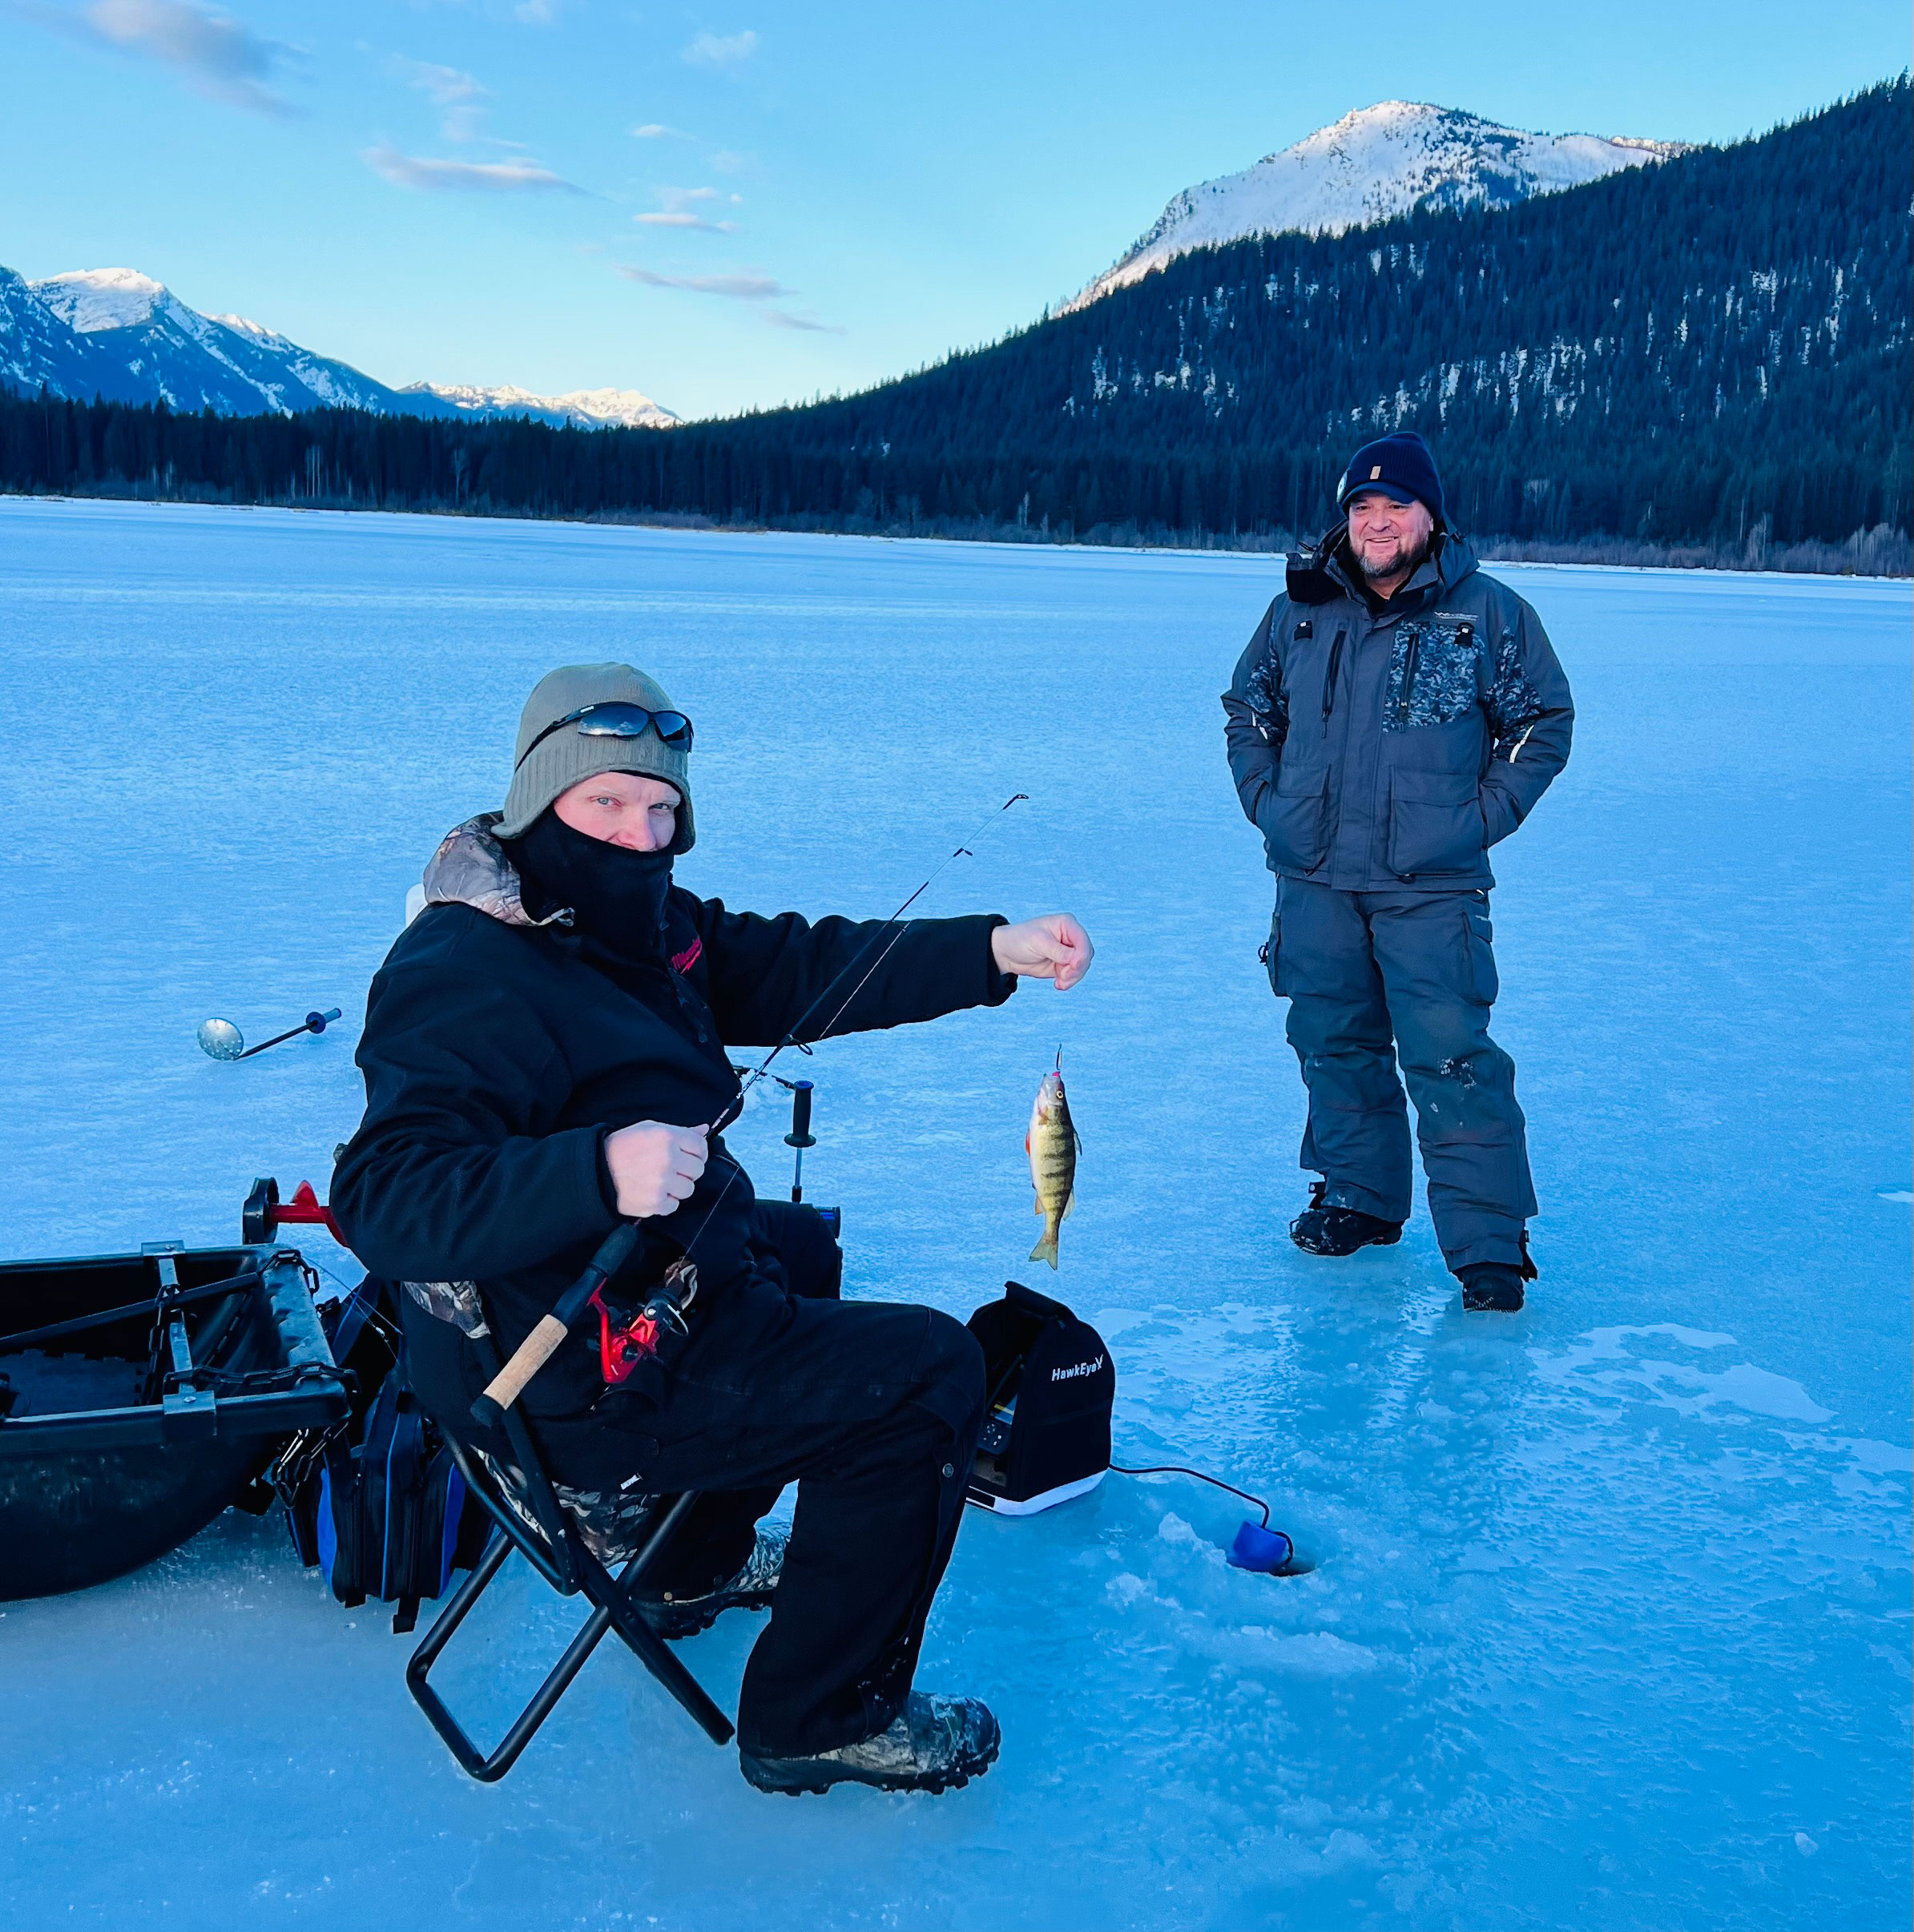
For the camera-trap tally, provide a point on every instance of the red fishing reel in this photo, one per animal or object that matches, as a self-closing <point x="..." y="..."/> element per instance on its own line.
<point x="623" y="1344"/>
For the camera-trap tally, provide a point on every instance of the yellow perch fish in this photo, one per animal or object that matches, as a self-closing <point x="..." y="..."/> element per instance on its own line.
<point x="1052" y="1144"/>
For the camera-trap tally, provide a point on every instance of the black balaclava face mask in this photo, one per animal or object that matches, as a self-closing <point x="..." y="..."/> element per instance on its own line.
<point x="617" y="896"/>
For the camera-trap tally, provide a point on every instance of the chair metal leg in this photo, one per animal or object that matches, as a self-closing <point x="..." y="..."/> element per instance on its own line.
<point x="611" y="1609"/>
<point x="613" y="1596"/>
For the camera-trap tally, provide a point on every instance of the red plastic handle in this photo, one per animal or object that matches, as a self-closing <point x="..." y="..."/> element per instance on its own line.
<point x="305" y="1206"/>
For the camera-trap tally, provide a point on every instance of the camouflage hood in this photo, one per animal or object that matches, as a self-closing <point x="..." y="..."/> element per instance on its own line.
<point x="470" y="868"/>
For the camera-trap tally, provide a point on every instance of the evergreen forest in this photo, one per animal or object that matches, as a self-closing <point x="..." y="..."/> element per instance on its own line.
<point x="1712" y="352"/>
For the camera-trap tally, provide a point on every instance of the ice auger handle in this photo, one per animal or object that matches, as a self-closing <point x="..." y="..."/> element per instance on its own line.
<point x="800" y="1136"/>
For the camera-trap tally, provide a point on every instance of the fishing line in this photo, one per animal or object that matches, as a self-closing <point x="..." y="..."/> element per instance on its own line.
<point x="757" y="1073"/>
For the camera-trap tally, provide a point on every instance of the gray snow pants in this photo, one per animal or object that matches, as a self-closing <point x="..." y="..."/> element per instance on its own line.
<point x="1372" y="976"/>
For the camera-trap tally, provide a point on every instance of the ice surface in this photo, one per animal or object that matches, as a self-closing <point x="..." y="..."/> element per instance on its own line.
<point x="1610" y="1622"/>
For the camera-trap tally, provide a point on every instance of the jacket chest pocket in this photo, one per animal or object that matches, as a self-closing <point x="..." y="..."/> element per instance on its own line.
<point x="1436" y="824"/>
<point x="1435" y="674"/>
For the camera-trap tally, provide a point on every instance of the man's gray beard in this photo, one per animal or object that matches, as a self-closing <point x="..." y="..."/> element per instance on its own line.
<point x="1405" y="567"/>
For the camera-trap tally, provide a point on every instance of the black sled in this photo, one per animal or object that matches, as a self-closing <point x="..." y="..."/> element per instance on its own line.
<point x="139" y="1395"/>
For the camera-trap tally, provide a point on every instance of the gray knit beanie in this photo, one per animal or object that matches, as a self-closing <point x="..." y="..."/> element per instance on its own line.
<point x="569" y="756"/>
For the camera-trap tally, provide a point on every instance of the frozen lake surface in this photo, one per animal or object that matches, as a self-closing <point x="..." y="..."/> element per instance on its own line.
<point x="1611" y="1622"/>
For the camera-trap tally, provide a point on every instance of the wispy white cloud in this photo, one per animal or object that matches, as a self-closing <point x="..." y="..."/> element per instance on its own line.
<point x="455" y="93"/>
<point x="781" y="318"/>
<point x="520" y="173"/>
<point x="657" y="131"/>
<point x="752" y="289"/>
<point x="680" y="211"/>
<point x="734" y="288"/>
<point x="728" y="161"/>
<point x="683" y="217"/>
<point x="537" y="13"/>
<point x="720" y="49"/>
<point x="220" y="57"/>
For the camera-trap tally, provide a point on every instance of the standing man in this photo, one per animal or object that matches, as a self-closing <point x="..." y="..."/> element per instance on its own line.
<point x="1396" y="713"/>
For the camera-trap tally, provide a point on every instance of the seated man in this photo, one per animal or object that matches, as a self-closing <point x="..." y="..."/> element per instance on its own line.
<point x="544" y="1048"/>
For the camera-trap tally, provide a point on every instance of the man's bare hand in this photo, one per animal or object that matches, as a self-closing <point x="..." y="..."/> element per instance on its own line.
<point x="1053" y="947"/>
<point x="653" y="1167"/>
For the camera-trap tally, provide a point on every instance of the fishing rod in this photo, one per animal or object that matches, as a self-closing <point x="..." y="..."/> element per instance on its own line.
<point x="666" y="1308"/>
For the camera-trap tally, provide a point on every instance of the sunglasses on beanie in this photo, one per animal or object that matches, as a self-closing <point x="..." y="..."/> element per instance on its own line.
<point x="619" y="720"/>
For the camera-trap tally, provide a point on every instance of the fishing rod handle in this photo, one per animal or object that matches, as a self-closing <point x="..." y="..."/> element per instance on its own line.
<point x="542" y="1344"/>
<point x="800" y="1136"/>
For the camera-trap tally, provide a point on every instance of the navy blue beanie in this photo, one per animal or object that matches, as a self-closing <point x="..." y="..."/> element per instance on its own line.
<point x="1399" y="465"/>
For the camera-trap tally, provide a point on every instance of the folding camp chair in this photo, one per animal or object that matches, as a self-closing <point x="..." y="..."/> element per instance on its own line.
<point x="531" y="1520"/>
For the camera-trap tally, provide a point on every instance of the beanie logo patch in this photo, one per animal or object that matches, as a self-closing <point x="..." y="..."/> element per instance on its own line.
<point x="1376" y="474"/>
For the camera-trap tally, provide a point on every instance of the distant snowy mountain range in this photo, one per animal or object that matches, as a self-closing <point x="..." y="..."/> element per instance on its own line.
<point x="116" y="333"/>
<point x="1371" y="165"/>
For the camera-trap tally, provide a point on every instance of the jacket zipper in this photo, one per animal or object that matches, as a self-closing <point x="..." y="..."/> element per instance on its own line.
<point x="1335" y="659"/>
<point x="680" y="985"/>
<point x="1408" y="676"/>
<point x="686" y="1002"/>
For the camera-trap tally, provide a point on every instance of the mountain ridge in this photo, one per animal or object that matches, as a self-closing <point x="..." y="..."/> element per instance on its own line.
<point x="119" y="333"/>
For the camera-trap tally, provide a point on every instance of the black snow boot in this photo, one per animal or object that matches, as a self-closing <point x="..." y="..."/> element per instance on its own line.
<point x="1339" y="1230"/>
<point x="1490" y="1287"/>
<point x="751" y="1589"/>
<point x="934" y="1744"/>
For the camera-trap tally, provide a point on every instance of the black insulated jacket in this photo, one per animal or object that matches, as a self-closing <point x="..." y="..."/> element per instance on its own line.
<point x="1386" y="750"/>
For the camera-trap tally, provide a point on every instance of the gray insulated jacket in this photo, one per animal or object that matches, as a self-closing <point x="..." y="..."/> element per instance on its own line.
<point x="1381" y="751"/>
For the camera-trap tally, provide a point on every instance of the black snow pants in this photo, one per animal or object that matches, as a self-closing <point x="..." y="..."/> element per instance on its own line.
<point x="871" y="1408"/>
<point x="1375" y="977"/>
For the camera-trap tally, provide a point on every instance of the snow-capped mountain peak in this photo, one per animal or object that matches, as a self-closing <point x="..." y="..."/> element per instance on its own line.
<point x="90" y="300"/>
<point x="1371" y="165"/>
<point x="585" y="408"/>
<point x="258" y="331"/>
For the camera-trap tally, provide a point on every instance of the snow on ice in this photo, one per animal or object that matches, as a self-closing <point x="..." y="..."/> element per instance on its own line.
<point x="1609" y="1622"/>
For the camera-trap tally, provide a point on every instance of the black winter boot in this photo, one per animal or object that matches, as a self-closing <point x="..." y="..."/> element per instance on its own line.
<point x="933" y="1743"/>
<point x="1490" y="1287"/>
<point x="1339" y="1230"/>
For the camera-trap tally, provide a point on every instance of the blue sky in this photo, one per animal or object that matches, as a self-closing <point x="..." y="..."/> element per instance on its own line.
<point x="739" y="204"/>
